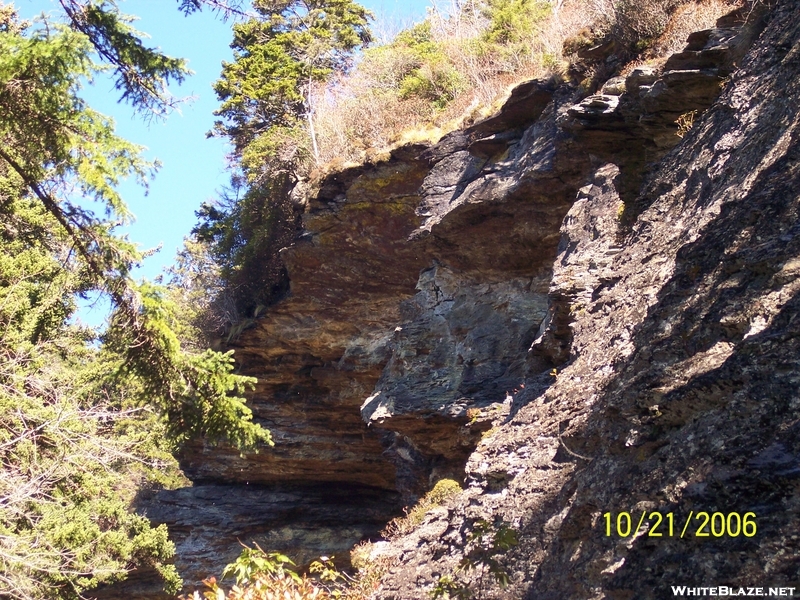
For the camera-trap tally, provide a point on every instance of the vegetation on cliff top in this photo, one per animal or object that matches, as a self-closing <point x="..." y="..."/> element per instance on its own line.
<point x="294" y="116"/>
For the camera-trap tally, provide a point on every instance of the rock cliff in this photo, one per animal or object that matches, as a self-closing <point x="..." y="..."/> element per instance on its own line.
<point x="678" y="391"/>
<point x="567" y="306"/>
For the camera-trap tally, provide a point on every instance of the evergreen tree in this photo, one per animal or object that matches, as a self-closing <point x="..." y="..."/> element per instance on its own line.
<point x="54" y="145"/>
<point x="74" y="449"/>
<point x="514" y="21"/>
<point x="83" y="427"/>
<point x="278" y="57"/>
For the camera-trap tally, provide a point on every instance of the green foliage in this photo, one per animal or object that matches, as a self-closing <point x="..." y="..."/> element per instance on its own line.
<point x="443" y="491"/>
<point x="436" y="80"/>
<point x="48" y="130"/>
<point x="54" y="142"/>
<point x="282" y="150"/>
<point x="550" y="61"/>
<point x="195" y="392"/>
<point x="486" y="541"/>
<point x="418" y="40"/>
<point x="636" y="24"/>
<point x="33" y="304"/>
<point x="416" y="66"/>
<point x="450" y="588"/>
<point x="84" y="429"/>
<point x="514" y="21"/>
<point x="195" y="285"/>
<point x="278" y="57"/>
<point x="266" y="576"/>
<point x="68" y="479"/>
<point x="142" y="74"/>
<point x="582" y="40"/>
<point x="271" y="576"/>
<point x="243" y="237"/>
<point x="437" y="60"/>
<point x="254" y="561"/>
<point x="71" y="461"/>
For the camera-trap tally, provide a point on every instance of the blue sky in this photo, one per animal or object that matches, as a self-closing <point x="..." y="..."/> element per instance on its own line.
<point x="193" y="167"/>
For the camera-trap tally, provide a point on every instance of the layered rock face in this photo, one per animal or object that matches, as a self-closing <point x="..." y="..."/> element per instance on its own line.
<point x="679" y="390"/>
<point x="628" y="351"/>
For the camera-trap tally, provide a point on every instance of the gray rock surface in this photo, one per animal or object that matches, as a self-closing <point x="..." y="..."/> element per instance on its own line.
<point x="680" y="394"/>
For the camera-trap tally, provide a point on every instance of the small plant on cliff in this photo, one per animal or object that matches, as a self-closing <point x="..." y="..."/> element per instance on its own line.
<point x="441" y="493"/>
<point x="254" y="561"/>
<point x="485" y="544"/>
<point x="277" y="586"/>
<point x="344" y="586"/>
<point x="271" y="576"/>
<point x="262" y="576"/>
<point x="685" y="123"/>
<point x="371" y="565"/>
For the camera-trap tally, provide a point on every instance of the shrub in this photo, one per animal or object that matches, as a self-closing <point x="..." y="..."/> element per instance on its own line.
<point x="262" y="576"/>
<point x="73" y="452"/>
<point x="414" y="65"/>
<point x="582" y="40"/>
<point x="267" y="576"/>
<point x="436" y="81"/>
<point x="278" y="586"/>
<point x="638" y="21"/>
<point x="514" y="21"/>
<point x="444" y="490"/>
<point x="271" y="576"/>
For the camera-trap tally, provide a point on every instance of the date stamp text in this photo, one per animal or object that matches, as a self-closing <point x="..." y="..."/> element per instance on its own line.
<point x="696" y="524"/>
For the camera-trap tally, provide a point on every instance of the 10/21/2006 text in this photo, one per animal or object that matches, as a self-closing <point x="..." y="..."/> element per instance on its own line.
<point x="700" y="524"/>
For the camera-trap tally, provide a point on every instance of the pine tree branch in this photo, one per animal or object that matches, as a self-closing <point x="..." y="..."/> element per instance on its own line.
<point x="52" y="206"/>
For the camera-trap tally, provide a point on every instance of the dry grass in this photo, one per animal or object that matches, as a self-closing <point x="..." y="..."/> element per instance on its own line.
<point x="658" y="27"/>
<point x="363" y="112"/>
<point x="687" y="19"/>
<point x="355" y="116"/>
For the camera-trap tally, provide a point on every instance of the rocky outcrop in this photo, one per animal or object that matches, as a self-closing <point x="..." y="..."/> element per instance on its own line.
<point x="619" y="345"/>
<point x="635" y="123"/>
<point x="680" y="393"/>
